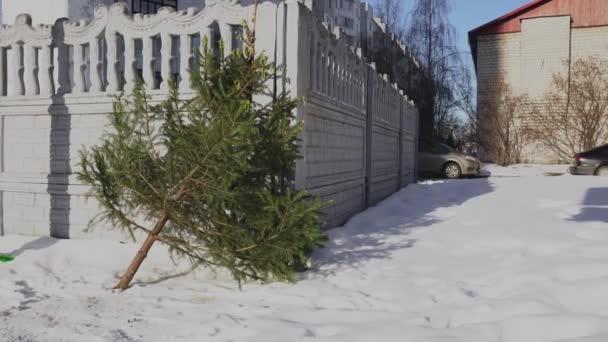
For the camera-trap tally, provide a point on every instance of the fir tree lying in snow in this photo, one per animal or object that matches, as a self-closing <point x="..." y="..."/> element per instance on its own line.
<point x="212" y="174"/>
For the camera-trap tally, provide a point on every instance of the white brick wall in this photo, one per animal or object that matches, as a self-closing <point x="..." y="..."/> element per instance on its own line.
<point x="592" y="41"/>
<point x="26" y="213"/>
<point x="545" y="48"/>
<point x="499" y="54"/>
<point x="44" y="143"/>
<point x="39" y="193"/>
<point x="31" y="213"/>
<point x="528" y="60"/>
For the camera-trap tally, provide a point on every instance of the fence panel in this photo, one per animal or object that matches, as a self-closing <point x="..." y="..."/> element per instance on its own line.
<point x="57" y="84"/>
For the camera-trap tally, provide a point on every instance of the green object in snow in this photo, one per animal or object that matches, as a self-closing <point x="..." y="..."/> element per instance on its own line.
<point x="6" y="258"/>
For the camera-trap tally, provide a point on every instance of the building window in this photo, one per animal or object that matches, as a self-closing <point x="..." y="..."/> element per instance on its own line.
<point x="151" y="6"/>
<point x="349" y="23"/>
<point x="345" y="22"/>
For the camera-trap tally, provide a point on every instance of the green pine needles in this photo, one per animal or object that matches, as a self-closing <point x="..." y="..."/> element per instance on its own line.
<point x="213" y="175"/>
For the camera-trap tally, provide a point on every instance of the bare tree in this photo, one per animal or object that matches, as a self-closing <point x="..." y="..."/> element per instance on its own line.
<point x="445" y="120"/>
<point x="499" y="122"/>
<point x="431" y="36"/>
<point x="465" y="95"/>
<point x="390" y="11"/>
<point x="574" y="115"/>
<point x="464" y="91"/>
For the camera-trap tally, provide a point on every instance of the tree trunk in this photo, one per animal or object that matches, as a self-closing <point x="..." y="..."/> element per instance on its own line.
<point x="141" y="255"/>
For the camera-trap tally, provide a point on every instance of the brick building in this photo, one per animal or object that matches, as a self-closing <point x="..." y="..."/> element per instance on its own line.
<point x="530" y="44"/>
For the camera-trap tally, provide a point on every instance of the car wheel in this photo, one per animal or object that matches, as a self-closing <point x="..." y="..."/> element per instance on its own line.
<point x="602" y="171"/>
<point x="452" y="171"/>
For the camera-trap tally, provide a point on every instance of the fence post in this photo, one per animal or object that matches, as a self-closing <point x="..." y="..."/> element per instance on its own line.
<point x="292" y="53"/>
<point x="416" y="141"/>
<point x="63" y="58"/>
<point x="401" y="122"/>
<point x="369" y="114"/>
<point x="2" y="70"/>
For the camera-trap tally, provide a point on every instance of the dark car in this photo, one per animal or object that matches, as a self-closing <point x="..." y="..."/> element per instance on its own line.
<point x="441" y="160"/>
<point x="592" y="162"/>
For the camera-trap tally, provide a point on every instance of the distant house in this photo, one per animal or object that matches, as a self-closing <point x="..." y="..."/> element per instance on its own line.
<point x="339" y="13"/>
<point x="528" y="45"/>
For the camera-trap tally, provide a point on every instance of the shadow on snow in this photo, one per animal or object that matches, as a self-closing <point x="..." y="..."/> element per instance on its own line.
<point x="40" y="243"/>
<point x="594" y="206"/>
<point x="381" y="230"/>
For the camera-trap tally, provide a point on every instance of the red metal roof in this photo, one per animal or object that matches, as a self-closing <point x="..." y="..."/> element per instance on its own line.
<point x="584" y="13"/>
<point x="514" y="13"/>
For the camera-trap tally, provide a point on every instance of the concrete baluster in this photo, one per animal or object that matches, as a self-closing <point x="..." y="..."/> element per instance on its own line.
<point x="314" y="63"/>
<point x="63" y="69"/>
<point x="362" y="87"/>
<point x="130" y="61"/>
<point x="47" y="86"/>
<point x="185" y="51"/>
<point x="148" y="62"/>
<point x="227" y="35"/>
<point x="166" y="60"/>
<point x="322" y="67"/>
<point x="79" y="69"/>
<point x="330" y="82"/>
<point x="337" y="77"/>
<point x="207" y="35"/>
<point x="334" y="76"/>
<point x="15" y="69"/>
<point x="349" y="84"/>
<point x="112" y="57"/>
<point x="353" y="84"/>
<point x="30" y="70"/>
<point x="342" y="78"/>
<point x="2" y="75"/>
<point x="345" y="80"/>
<point x="345" y="87"/>
<point x="95" y="65"/>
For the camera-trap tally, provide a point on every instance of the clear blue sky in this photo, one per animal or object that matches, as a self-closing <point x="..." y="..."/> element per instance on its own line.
<point x="469" y="14"/>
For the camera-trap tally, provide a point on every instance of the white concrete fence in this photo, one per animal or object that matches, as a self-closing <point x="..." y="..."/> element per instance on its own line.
<point x="57" y="84"/>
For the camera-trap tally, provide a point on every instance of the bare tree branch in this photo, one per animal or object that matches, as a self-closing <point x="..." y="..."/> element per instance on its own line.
<point x="573" y="115"/>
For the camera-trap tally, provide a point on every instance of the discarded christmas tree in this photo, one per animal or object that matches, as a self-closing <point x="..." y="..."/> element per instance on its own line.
<point x="213" y="174"/>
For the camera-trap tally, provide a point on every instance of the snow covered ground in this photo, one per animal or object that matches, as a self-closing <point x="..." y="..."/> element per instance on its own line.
<point x="523" y="170"/>
<point x="515" y="257"/>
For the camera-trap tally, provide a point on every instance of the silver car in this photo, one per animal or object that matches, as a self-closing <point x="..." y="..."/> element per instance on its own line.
<point x="441" y="160"/>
